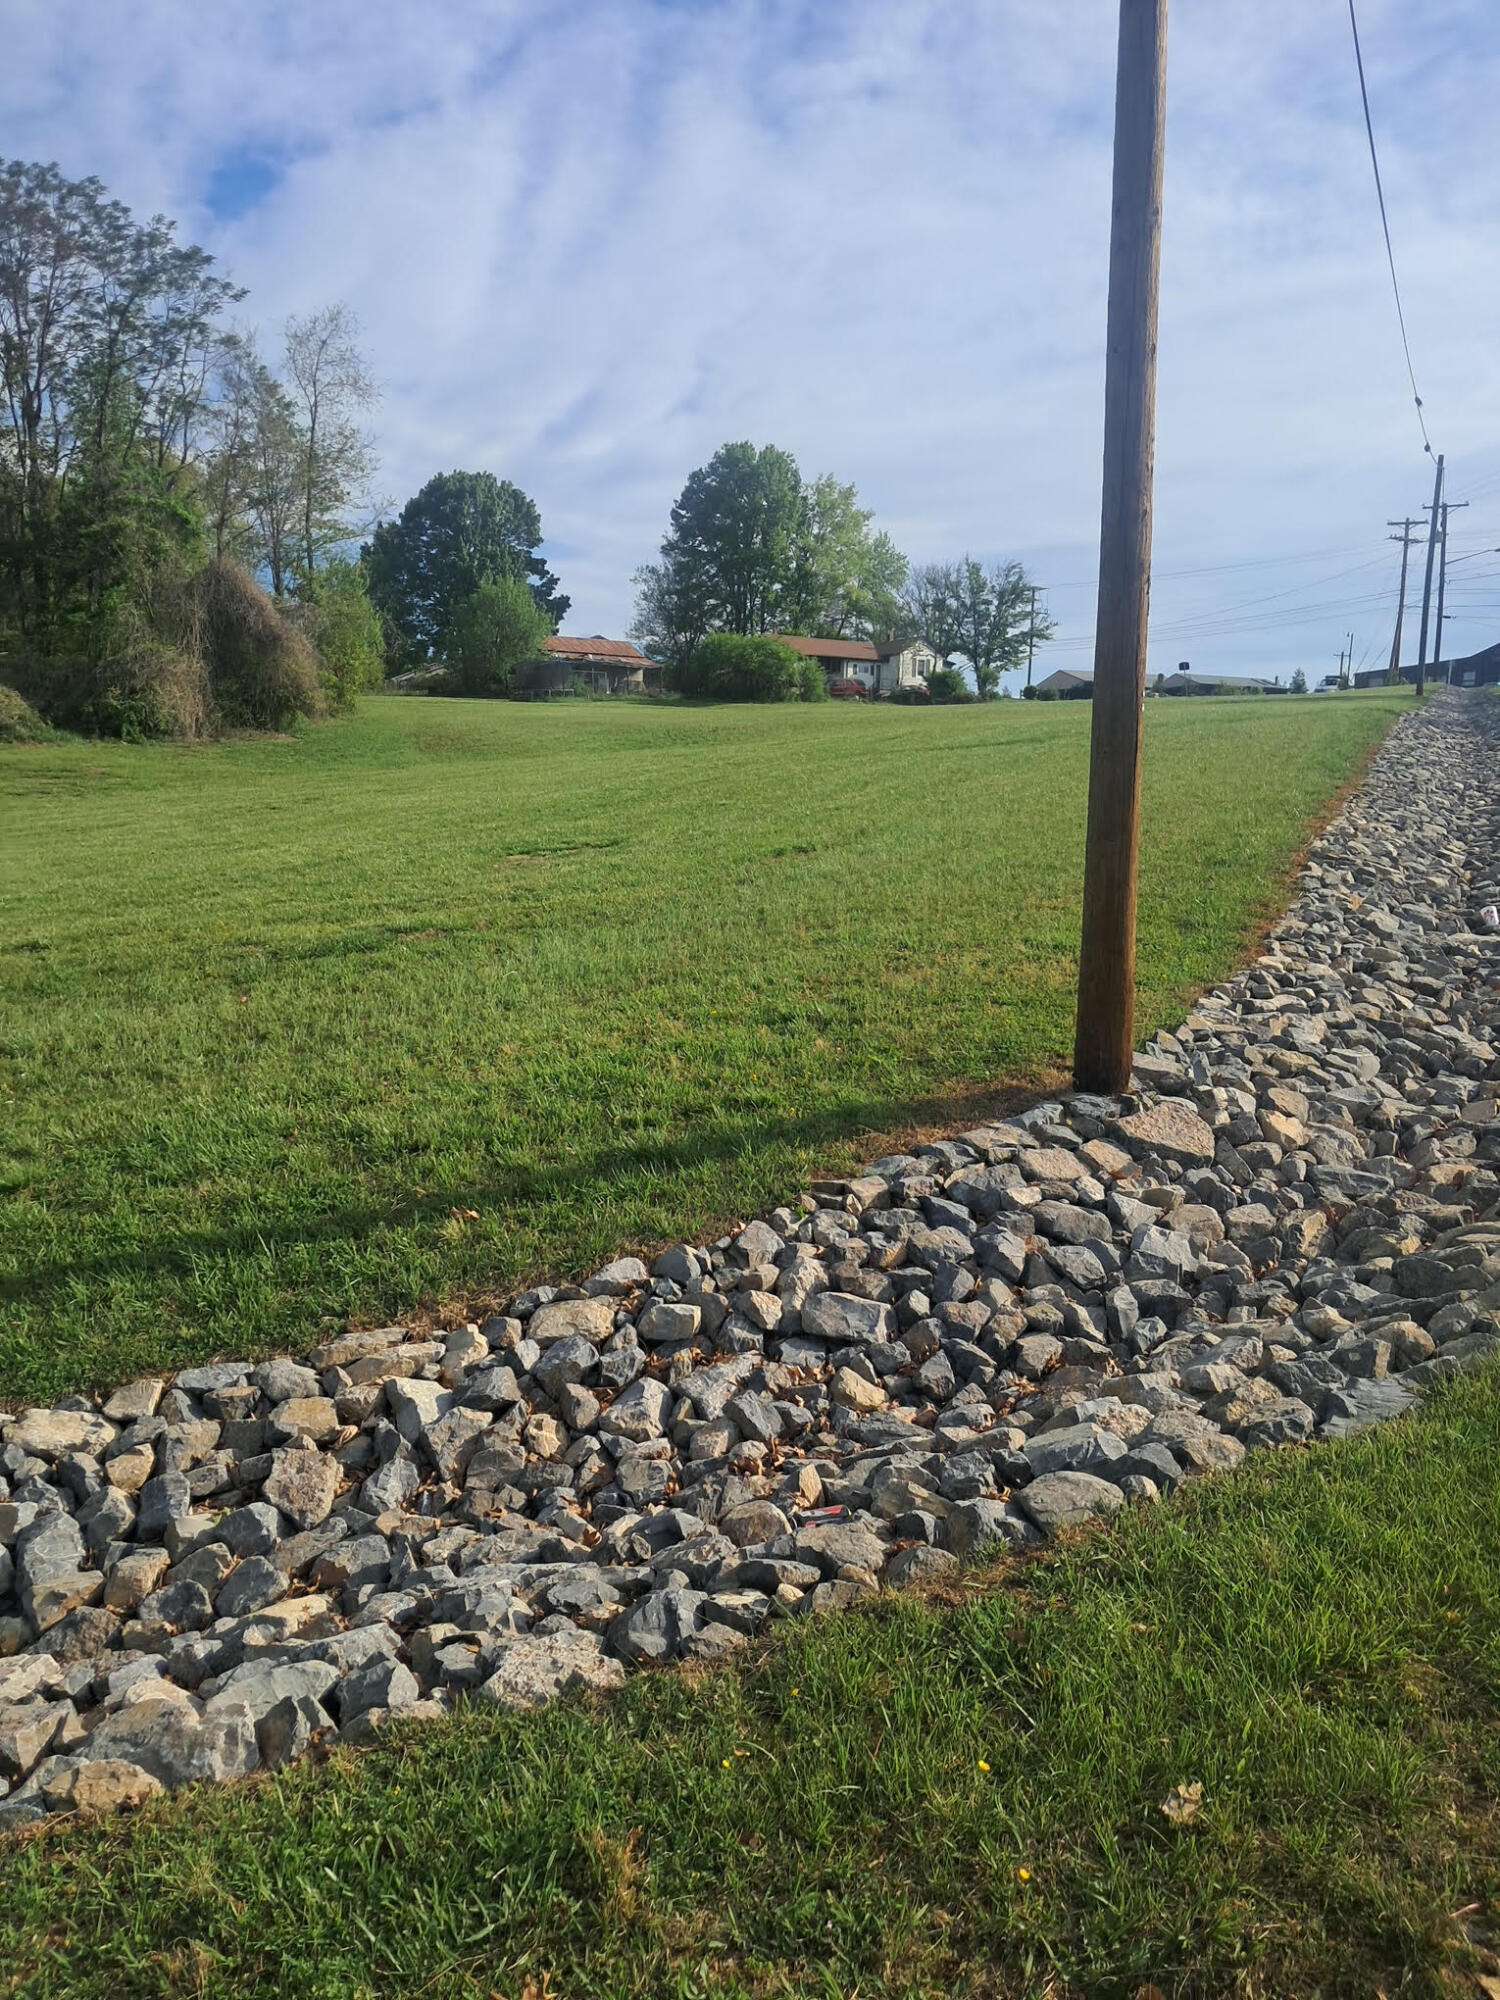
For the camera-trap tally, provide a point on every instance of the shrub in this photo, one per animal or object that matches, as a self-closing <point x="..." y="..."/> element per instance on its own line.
<point x="731" y="666"/>
<point x="1046" y="694"/>
<point x="492" y="631"/>
<point x="144" y="688"/>
<point x="19" y="721"/>
<point x="262" y="672"/>
<point x="345" y="627"/>
<point x="948" y="684"/>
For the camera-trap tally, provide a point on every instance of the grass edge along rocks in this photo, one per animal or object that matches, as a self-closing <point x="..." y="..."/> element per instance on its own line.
<point x="1289" y="1229"/>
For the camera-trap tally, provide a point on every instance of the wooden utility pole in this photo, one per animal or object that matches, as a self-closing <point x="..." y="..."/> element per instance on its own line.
<point x="1031" y="637"/>
<point x="1432" y="535"/>
<point x="1404" y="538"/>
<point x="1437" y="644"/>
<point x="1105" y="1031"/>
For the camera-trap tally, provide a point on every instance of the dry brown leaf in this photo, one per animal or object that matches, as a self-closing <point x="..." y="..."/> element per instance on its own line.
<point x="1183" y="1803"/>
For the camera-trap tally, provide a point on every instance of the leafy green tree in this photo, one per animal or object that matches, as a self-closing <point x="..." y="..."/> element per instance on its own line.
<point x="753" y="549"/>
<point x="983" y="613"/>
<point x="492" y="631"/>
<point x="1298" y="683"/>
<point x="733" y="666"/>
<point x="463" y="529"/>
<point x="848" y="581"/>
<point x="345" y="627"/>
<point x="108" y="329"/>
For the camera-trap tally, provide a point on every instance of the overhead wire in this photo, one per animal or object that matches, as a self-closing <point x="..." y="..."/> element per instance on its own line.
<point x="1386" y="227"/>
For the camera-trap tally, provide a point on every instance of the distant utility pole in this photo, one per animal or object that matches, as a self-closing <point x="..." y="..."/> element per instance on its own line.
<point x="1405" y="539"/>
<point x="1432" y="535"/>
<point x="1437" y="644"/>
<point x="1104" y="1034"/>
<point x="1346" y="674"/>
<point x="1031" y="637"/>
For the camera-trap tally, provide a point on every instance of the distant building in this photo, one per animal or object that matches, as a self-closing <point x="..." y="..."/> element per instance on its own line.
<point x="1189" y="683"/>
<point x="1067" y="685"/>
<point x="1473" y="670"/>
<point x="882" y="669"/>
<point x="607" y="666"/>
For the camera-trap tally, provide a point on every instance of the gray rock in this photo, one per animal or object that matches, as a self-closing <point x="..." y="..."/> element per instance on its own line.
<point x="654" y="1630"/>
<point x="256" y="1583"/>
<point x="302" y="1485"/>
<point x="1063" y="1499"/>
<point x="845" y="1319"/>
<point x="976" y="1527"/>
<point x="640" y="1412"/>
<point x="530" y="1672"/>
<point x="382" y="1684"/>
<point x="177" y="1747"/>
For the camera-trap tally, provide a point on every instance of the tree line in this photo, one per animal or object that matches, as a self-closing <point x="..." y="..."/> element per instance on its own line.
<point x="753" y="548"/>
<point x="180" y="515"/>
<point x="151" y="460"/>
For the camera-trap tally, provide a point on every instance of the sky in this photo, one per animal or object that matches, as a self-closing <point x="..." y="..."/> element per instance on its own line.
<point x="588" y="241"/>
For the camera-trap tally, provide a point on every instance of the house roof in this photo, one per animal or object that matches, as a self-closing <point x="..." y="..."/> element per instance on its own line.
<point x="1065" y="677"/>
<point x="829" y="649"/>
<point x="595" y="648"/>
<point x="1220" y="680"/>
<point x="889" y="647"/>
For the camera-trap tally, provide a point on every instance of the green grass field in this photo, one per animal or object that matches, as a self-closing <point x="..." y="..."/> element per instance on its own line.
<point x="1316" y="1642"/>
<point x="276" y="1015"/>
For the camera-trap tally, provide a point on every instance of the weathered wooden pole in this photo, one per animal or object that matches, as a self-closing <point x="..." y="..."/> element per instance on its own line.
<point x="1104" y="1036"/>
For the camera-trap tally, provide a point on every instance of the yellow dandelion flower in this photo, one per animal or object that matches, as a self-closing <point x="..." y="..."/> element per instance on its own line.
<point x="724" y="1763"/>
<point x="1023" y="1874"/>
<point x="982" y="1765"/>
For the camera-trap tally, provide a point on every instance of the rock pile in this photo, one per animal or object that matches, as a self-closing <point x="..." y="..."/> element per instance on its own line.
<point x="1289" y="1228"/>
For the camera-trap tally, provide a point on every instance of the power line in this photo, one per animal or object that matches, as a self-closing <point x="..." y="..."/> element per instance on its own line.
<point x="1385" y="225"/>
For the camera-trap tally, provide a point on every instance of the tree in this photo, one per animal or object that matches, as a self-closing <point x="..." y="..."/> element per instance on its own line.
<point x="984" y="614"/>
<point x="492" y="631"/>
<point x="107" y="328"/>
<point x="736" y="666"/>
<point x="462" y="530"/>
<point x="1298" y="683"/>
<point x="345" y="627"/>
<point x="753" y="549"/>
<point x="328" y="384"/>
<point x="848" y="582"/>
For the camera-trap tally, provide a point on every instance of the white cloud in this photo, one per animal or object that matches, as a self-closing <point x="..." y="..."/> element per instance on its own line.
<point x="591" y="240"/>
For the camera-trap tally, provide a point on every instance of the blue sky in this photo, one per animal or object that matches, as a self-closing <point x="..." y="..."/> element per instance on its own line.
<point x="589" y="240"/>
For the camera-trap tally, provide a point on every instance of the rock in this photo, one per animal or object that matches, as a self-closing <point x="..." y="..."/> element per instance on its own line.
<point x="414" y="1405"/>
<point x="175" y="1746"/>
<point x="135" y="1400"/>
<point x="977" y="1527"/>
<point x="662" y="1323"/>
<point x="589" y="1320"/>
<point x="920" y="1565"/>
<point x="753" y="1522"/>
<point x="1078" y="1448"/>
<point x="288" y="1729"/>
<point x="653" y="1630"/>
<point x="570" y="1359"/>
<point x="302" y="1485"/>
<point x="260" y="1688"/>
<point x="52" y="1434"/>
<point x="105" y="1784"/>
<point x="1063" y="1499"/>
<point x="640" y="1412"/>
<point x="837" y="1545"/>
<point x="850" y="1391"/>
<point x="382" y="1684"/>
<point x="530" y="1672"/>
<point x="1171" y="1130"/>
<point x="616" y="1278"/>
<point x="256" y="1583"/>
<point x="26" y="1733"/>
<point x="846" y="1319"/>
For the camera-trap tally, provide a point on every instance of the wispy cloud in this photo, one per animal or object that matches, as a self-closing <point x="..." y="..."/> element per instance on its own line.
<point x="591" y="240"/>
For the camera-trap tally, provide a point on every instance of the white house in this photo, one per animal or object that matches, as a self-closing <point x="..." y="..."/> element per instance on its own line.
<point x="895" y="663"/>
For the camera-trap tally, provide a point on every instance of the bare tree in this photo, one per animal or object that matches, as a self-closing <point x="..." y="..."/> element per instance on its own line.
<point x="329" y="385"/>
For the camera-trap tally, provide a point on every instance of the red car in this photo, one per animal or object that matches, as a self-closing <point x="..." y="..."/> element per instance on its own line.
<point x="849" y="690"/>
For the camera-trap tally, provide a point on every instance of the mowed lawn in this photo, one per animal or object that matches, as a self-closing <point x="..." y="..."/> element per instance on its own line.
<point x="442" y="994"/>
